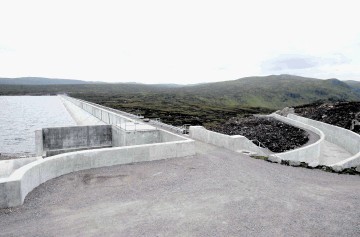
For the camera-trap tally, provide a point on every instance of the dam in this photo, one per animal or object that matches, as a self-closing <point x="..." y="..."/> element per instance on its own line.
<point x="119" y="172"/>
<point x="20" y="116"/>
<point x="107" y="137"/>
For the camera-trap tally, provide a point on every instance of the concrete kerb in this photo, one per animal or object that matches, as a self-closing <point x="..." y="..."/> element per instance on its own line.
<point x="347" y="139"/>
<point x="102" y="116"/>
<point x="7" y="167"/>
<point x="14" y="189"/>
<point x="235" y="143"/>
<point x="308" y="154"/>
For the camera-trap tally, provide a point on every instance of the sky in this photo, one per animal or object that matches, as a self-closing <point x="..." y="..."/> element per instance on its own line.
<point x="183" y="42"/>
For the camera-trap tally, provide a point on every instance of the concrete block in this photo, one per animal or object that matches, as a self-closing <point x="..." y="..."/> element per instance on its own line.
<point x="314" y="164"/>
<point x="6" y="167"/>
<point x="82" y="161"/>
<point x="49" y="170"/>
<point x="274" y="159"/>
<point x="30" y="179"/>
<point x="39" y="143"/>
<point x="162" y="151"/>
<point x="185" y="149"/>
<point x="337" y="168"/>
<point x="10" y="194"/>
<point x="139" y="153"/>
<point x="294" y="162"/>
<point x="64" y="163"/>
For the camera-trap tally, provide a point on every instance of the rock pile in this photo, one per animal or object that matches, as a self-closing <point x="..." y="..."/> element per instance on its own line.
<point x="341" y="114"/>
<point x="273" y="134"/>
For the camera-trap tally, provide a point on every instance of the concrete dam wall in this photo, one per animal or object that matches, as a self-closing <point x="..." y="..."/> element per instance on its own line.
<point x="111" y="139"/>
<point x="122" y="141"/>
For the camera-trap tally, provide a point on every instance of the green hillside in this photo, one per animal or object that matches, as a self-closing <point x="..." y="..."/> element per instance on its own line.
<point x="206" y="103"/>
<point x="355" y="85"/>
<point x="273" y="91"/>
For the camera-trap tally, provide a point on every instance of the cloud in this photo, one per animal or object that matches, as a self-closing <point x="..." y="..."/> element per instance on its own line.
<point x="184" y="41"/>
<point x="285" y="62"/>
<point x="295" y="63"/>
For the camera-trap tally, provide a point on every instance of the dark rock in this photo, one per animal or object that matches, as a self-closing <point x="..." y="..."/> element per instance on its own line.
<point x="340" y="114"/>
<point x="271" y="133"/>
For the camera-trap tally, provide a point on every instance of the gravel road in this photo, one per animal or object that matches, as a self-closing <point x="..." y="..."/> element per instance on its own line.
<point x="215" y="193"/>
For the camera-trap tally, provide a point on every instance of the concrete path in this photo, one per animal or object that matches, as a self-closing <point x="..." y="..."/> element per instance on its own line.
<point x="215" y="193"/>
<point x="80" y="116"/>
<point x="332" y="154"/>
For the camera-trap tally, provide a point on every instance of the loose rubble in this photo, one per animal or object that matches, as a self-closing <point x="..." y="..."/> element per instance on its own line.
<point x="341" y="114"/>
<point x="273" y="134"/>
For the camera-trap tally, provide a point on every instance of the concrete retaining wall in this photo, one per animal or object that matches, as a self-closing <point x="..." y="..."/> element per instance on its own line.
<point x="309" y="154"/>
<point x="234" y="143"/>
<point x="122" y="137"/>
<point x="102" y="114"/>
<point x="14" y="189"/>
<point x="9" y="166"/>
<point x="65" y="138"/>
<point x="80" y="116"/>
<point x="347" y="139"/>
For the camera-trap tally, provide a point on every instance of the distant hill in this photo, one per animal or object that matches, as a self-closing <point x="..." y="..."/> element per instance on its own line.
<point x="355" y="85"/>
<point x="275" y="91"/>
<point x="40" y="81"/>
<point x="202" y="104"/>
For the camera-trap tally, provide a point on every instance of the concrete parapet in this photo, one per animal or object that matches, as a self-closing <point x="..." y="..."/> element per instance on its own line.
<point x="234" y="143"/>
<point x="344" y="138"/>
<point x="308" y="154"/>
<point x="50" y="141"/>
<point x="80" y="116"/>
<point x="9" y="166"/>
<point x="104" y="115"/>
<point x="14" y="189"/>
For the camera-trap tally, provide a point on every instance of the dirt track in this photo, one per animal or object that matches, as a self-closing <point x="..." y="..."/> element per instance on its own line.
<point x="215" y="193"/>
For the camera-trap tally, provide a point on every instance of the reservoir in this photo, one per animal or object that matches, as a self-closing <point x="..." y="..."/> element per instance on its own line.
<point x="20" y="116"/>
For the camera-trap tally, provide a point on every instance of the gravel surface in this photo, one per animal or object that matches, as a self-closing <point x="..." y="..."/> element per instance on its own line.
<point x="215" y="193"/>
<point x="273" y="134"/>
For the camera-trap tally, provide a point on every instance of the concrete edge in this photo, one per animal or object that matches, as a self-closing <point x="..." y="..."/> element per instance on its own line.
<point x="22" y="181"/>
<point x="97" y="107"/>
<point x="299" y="153"/>
<point x="348" y="163"/>
<point x="351" y="162"/>
<point x="235" y="143"/>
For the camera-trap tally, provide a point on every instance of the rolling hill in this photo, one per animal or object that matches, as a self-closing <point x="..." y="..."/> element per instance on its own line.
<point x="202" y="104"/>
<point x="355" y="85"/>
<point x="40" y="81"/>
<point x="275" y="91"/>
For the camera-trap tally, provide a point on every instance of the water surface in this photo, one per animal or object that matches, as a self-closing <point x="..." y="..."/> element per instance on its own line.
<point x="20" y="116"/>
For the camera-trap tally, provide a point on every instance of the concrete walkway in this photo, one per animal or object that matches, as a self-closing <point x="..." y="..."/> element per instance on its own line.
<point x="215" y="193"/>
<point x="80" y="116"/>
<point x="332" y="154"/>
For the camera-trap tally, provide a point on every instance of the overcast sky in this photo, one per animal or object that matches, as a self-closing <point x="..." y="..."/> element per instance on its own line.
<point x="183" y="41"/>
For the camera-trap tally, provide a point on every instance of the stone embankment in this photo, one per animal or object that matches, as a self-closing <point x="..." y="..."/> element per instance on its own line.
<point x="276" y="135"/>
<point x="341" y="114"/>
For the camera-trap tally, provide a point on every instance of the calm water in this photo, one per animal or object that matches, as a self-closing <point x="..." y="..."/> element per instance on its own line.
<point x="20" y="116"/>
